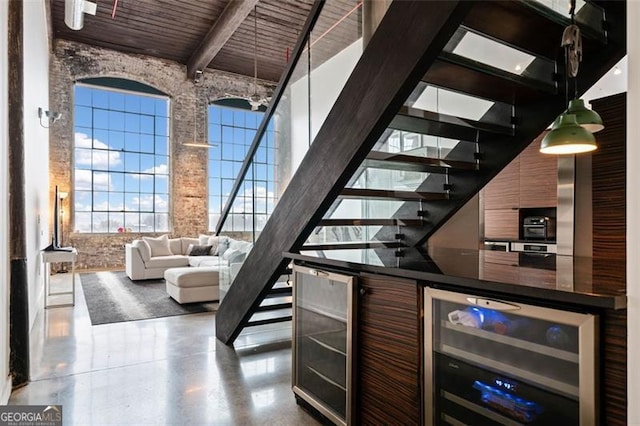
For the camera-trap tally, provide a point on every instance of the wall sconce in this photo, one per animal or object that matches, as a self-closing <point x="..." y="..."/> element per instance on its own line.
<point x="52" y="116"/>
<point x="74" y="11"/>
<point x="197" y="77"/>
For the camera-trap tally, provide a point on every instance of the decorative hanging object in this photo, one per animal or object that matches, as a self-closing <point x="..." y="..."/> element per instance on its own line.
<point x="572" y="132"/>
<point x="567" y="137"/>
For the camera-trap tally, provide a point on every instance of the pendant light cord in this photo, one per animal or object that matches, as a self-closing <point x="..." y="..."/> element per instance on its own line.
<point x="572" y="12"/>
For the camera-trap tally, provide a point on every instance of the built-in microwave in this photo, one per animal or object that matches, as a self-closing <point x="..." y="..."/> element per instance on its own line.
<point x="539" y="228"/>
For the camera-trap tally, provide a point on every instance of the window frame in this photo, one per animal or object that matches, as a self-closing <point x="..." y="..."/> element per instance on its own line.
<point x="156" y="159"/>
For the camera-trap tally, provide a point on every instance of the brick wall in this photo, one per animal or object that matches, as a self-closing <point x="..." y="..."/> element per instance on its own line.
<point x="188" y="182"/>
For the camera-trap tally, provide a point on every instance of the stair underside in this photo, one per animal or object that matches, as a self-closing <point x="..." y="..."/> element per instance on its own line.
<point x="391" y="75"/>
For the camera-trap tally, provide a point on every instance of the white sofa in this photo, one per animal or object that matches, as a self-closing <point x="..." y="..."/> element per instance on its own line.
<point x="149" y="258"/>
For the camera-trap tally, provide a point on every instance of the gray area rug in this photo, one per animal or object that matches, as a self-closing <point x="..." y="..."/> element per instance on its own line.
<point x="113" y="297"/>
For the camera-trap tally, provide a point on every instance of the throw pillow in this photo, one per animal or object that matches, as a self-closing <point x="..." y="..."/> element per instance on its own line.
<point x="175" y="245"/>
<point x="211" y="240"/>
<point x="159" y="246"/>
<point x="223" y="245"/>
<point x="195" y="250"/>
<point x="229" y="254"/>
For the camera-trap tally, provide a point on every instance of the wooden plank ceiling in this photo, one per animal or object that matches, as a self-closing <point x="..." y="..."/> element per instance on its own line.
<point x="173" y="29"/>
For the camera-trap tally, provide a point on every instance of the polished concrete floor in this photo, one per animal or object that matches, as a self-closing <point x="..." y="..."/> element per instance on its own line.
<point x="161" y="371"/>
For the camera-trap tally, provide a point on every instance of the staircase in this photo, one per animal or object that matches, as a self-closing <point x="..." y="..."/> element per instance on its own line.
<point x="397" y="156"/>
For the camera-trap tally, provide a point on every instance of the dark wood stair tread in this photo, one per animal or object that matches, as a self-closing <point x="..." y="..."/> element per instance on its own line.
<point x="266" y="321"/>
<point x="371" y="222"/>
<point x="430" y="123"/>
<point x="399" y="161"/>
<point x="353" y="245"/>
<point x="392" y="194"/>
<point x="528" y="17"/>
<point x="465" y="75"/>
<point x="273" y="306"/>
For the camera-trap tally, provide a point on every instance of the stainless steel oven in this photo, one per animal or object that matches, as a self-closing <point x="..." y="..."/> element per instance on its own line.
<point x="539" y="228"/>
<point x="497" y="245"/>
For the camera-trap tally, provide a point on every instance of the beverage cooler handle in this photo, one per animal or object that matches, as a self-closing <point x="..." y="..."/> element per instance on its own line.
<point x="317" y="272"/>
<point x="493" y="304"/>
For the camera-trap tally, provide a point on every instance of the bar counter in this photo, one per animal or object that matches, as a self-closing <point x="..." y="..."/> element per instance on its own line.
<point x="563" y="281"/>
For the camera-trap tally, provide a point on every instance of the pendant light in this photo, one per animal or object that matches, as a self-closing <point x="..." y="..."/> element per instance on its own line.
<point x="567" y="137"/>
<point x="572" y="132"/>
<point x="587" y="118"/>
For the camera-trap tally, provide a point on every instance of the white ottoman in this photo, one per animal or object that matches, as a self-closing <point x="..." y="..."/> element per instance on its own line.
<point x="187" y="284"/>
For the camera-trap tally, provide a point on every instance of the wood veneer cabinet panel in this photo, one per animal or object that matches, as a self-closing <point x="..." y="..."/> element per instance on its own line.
<point x="538" y="177"/>
<point x="500" y="257"/>
<point x="501" y="224"/>
<point x="503" y="192"/>
<point x="609" y="180"/>
<point x="609" y="243"/>
<point x="614" y="377"/>
<point x="389" y="352"/>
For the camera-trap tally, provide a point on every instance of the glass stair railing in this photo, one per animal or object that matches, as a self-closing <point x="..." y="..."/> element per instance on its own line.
<point x="406" y="136"/>
<point x="323" y="60"/>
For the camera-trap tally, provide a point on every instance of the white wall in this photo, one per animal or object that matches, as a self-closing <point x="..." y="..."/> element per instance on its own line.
<point x="327" y="82"/>
<point x="36" y="94"/>
<point x="633" y="217"/>
<point x="5" y="382"/>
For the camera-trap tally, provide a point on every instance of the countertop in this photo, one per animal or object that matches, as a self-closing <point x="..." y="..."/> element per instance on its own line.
<point x="576" y="282"/>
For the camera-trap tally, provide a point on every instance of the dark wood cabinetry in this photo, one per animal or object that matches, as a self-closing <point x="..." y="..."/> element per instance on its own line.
<point x="529" y="181"/>
<point x="503" y="192"/>
<point x="389" y="351"/>
<point x="501" y="224"/>
<point x="538" y="177"/>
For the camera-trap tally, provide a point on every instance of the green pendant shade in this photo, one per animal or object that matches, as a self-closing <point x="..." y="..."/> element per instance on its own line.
<point x="587" y="118"/>
<point x="567" y="137"/>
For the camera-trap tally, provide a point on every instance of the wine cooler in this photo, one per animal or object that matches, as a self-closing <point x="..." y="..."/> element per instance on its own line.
<point x="491" y="362"/>
<point x="323" y="343"/>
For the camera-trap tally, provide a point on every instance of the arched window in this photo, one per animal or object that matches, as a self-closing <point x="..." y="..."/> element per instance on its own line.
<point x="120" y="158"/>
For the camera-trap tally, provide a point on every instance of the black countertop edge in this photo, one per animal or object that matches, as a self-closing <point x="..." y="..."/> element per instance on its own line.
<point x="496" y="289"/>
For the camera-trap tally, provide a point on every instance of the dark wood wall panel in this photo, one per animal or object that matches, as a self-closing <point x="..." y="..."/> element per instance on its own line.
<point x="538" y="177"/>
<point x="389" y="352"/>
<point x="609" y="180"/>
<point x="609" y="251"/>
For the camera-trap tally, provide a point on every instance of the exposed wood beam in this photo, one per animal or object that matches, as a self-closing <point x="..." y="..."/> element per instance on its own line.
<point x="223" y="28"/>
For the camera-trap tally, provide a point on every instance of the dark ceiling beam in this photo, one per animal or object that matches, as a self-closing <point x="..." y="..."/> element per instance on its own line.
<point x="223" y="28"/>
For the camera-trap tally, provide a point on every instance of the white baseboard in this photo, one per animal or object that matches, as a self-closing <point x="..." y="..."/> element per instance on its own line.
<point x="5" y="391"/>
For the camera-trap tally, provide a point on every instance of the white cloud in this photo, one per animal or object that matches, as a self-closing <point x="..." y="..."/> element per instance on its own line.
<point x="147" y="203"/>
<point x="100" y="181"/>
<point x="162" y="169"/>
<point x="97" y="158"/>
<point x="244" y="203"/>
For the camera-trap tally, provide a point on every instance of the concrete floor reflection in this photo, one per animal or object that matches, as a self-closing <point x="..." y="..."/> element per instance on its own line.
<point x="161" y="371"/>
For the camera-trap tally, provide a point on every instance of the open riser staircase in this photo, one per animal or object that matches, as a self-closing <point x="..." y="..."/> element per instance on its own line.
<point x="422" y="124"/>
